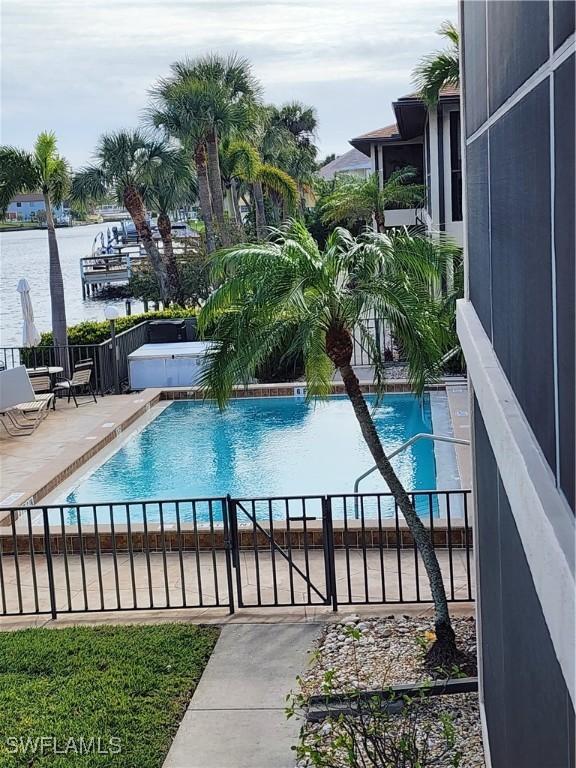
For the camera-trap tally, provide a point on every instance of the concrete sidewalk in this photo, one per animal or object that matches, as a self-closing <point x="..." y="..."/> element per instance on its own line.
<point x="236" y="718"/>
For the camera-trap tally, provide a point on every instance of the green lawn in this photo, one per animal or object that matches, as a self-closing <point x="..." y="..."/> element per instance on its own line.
<point x="125" y="688"/>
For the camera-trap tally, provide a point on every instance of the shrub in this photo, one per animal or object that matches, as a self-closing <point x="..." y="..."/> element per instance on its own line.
<point x="95" y="332"/>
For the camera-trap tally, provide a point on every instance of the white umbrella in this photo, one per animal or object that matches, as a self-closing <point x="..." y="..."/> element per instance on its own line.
<point x="30" y="335"/>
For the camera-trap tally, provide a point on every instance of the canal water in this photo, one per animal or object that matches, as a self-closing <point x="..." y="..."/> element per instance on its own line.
<point x="25" y="254"/>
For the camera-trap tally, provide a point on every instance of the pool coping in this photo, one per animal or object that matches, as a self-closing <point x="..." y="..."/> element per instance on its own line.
<point x="42" y="487"/>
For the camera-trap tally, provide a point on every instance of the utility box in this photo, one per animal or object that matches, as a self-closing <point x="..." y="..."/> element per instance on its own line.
<point x="178" y="364"/>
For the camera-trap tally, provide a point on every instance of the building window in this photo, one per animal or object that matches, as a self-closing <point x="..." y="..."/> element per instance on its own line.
<point x="18" y="205"/>
<point x="455" y="166"/>
<point x="428" y="170"/>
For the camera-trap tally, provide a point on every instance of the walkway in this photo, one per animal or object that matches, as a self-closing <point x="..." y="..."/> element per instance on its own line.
<point x="236" y="718"/>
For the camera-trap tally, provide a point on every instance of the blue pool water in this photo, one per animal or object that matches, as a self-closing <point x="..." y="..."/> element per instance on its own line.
<point x="261" y="447"/>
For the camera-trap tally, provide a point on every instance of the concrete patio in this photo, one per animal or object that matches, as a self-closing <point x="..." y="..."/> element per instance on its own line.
<point x="32" y="466"/>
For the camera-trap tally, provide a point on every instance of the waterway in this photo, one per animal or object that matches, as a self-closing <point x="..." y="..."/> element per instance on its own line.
<point x="25" y="254"/>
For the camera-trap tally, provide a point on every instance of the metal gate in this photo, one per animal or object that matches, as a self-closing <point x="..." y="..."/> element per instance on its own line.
<point x="282" y="551"/>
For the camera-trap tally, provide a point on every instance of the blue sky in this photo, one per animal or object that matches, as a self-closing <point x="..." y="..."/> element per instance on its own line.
<point x="82" y="67"/>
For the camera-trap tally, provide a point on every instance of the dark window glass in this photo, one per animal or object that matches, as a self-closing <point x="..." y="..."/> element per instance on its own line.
<point x="456" y="166"/>
<point x="428" y="170"/>
<point x="376" y="165"/>
<point x="18" y="205"/>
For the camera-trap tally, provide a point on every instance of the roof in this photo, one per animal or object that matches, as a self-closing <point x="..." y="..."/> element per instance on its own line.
<point x="388" y="132"/>
<point x="410" y="113"/>
<point x="448" y="91"/>
<point x="350" y="161"/>
<point x="32" y="197"/>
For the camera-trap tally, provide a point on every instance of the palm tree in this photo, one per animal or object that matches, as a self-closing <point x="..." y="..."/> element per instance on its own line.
<point x="225" y="93"/>
<point x="354" y="199"/>
<point x="124" y="161"/>
<point x="440" y="68"/>
<point x="42" y="170"/>
<point x="288" y="143"/>
<point x="289" y="291"/>
<point x="242" y="163"/>
<point x="170" y="184"/>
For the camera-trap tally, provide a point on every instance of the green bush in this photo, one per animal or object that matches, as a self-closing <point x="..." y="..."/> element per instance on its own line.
<point x="95" y="332"/>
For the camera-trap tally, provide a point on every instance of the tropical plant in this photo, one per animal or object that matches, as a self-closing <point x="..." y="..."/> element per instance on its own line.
<point x="355" y="199"/>
<point x="287" y="142"/>
<point x="215" y="97"/>
<point x="440" y="68"/>
<point x="42" y="170"/>
<point x="178" y="109"/>
<point x="124" y="165"/>
<point x="242" y="163"/>
<point x="170" y="184"/>
<point x="288" y="291"/>
<point x="194" y="273"/>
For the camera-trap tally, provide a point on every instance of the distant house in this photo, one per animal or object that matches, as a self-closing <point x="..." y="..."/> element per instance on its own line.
<point x="26" y="208"/>
<point x="429" y="141"/>
<point x="351" y="163"/>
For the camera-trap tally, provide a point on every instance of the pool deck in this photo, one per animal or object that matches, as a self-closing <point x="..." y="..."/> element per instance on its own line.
<point x="33" y="465"/>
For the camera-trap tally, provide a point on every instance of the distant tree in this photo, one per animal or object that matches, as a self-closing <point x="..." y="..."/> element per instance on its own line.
<point x="440" y="68"/>
<point x="327" y="159"/>
<point x="42" y="170"/>
<point x="125" y="162"/>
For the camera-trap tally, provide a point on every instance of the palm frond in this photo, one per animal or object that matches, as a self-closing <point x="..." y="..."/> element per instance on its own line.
<point x="90" y="185"/>
<point x="280" y="182"/>
<point x="18" y="173"/>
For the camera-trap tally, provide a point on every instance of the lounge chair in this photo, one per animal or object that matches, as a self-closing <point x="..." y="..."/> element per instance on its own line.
<point x="21" y="410"/>
<point x="81" y="379"/>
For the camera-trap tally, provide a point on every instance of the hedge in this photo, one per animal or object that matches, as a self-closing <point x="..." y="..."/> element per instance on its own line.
<point x="95" y="332"/>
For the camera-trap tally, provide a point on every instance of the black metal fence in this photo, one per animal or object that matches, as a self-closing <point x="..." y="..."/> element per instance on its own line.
<point x="102" y="355"/>
<point x="223" y="552"/>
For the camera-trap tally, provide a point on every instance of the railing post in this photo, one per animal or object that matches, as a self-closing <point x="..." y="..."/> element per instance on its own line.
<point x="329" y="558"/>
<point x="228" y="546"/>
<point x="49" y="563"/>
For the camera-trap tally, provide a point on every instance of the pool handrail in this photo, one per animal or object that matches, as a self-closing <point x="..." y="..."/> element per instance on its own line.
<point x="396" y="451"/>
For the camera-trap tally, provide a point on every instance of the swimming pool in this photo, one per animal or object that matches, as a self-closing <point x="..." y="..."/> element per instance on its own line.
<point x="274" y="446"/>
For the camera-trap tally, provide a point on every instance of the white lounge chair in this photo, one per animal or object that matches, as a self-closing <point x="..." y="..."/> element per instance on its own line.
<point x="21" y="409"/>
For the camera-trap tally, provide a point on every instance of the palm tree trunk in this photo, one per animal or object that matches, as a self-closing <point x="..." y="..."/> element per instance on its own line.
<point x="204" y="196"/>
<point x="135" y="206"/>
<point x="215" y="181"/>
<point x="260" y="211"/>
<point x="444" y="632"/>
<point x="339" y="347"/>
<point x="165" y="230"/>
<point x="57" y="299"/>
<point x="235" y="204"/>
<point x="380" y="222"/>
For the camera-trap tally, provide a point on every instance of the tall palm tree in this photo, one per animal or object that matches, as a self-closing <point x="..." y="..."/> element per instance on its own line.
<point x="440" y="68"/>
<point x="42" y="170"/>
<point x="287" y="291"/>
<point x="123" y="165"/>
<point x="179" y="110"/>
<point x="288" y="143"/>
<point x="354" y="199"/>
<point x="170" y="184"/>
<point x="225" y="95"/>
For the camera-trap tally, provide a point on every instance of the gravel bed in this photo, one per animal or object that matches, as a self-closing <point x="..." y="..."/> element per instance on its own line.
<point x="390" y="651"/>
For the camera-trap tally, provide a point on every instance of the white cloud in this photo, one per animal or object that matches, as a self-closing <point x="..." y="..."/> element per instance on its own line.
<point x="84" y="67"/>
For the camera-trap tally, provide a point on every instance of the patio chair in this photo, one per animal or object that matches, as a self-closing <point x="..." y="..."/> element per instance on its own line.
<point x="21" y="411"/>
<point x="41" y="382"/>
<point x="81" y="379"/>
